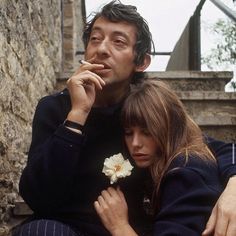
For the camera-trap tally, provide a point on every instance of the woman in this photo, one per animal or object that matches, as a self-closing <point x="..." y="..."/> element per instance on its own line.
<point x="161" y="136"/>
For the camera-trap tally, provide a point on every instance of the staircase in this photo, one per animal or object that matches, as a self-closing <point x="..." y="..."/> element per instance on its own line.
<point x="205" y="100"/>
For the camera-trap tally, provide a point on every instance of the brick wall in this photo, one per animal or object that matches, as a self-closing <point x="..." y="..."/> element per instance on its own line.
<point x="73" y="22"/>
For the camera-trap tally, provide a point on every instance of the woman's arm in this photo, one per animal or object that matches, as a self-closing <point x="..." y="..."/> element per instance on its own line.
<point x="112" y="209"/>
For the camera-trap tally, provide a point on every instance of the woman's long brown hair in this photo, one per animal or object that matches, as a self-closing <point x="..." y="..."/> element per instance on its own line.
<point x="153" y="105"/>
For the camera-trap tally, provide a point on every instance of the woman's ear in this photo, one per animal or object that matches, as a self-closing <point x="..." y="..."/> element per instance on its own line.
<point x="145" y="64"/>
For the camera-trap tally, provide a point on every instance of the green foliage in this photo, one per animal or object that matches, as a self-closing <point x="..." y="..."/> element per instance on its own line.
<point x="224" y="52"/>
<point x="233" y="84"/>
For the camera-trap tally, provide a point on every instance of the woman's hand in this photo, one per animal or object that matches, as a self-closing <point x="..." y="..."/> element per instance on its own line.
<point x="112" y="208"/>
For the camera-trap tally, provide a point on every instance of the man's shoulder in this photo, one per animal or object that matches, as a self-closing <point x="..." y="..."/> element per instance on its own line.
<point x="55" y="97"/>
<point x="57" y="103"/>
<point x="194" y="163"/>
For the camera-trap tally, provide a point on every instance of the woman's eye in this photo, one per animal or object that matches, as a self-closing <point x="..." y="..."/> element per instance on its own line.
<point x="146" y="132"/>
<point x="127" y="132"/>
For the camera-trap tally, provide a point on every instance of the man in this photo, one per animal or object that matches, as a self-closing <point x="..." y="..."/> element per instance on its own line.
<point x="75" y="130"/>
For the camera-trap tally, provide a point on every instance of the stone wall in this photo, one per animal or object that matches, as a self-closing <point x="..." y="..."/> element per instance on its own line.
<point x="30" y="58"/>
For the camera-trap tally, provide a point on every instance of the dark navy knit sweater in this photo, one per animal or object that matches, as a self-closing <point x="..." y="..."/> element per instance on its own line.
<point x="63" y="176"/>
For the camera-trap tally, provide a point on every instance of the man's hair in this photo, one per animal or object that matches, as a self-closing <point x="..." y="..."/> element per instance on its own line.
<point x="115" y="11"/>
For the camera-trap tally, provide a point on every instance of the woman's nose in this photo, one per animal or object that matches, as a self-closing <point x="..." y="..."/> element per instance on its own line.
<point x="136" y="141"/>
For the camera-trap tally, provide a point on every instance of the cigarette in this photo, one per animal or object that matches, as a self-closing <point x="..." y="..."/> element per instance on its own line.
<point x="83" y="62"/>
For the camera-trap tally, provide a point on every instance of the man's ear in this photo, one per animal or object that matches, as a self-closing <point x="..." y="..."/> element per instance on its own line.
<point x="145" y="64"/>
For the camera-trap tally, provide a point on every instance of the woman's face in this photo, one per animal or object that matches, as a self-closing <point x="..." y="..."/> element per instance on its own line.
<point x="141" y="146"/>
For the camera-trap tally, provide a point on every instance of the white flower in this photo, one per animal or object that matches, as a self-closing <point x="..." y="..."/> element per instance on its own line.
<point x="116" y="167"/>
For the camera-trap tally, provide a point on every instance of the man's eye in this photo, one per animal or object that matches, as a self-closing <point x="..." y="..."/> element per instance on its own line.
<point x="95" y="38"/>
<point x="119" y="42"/>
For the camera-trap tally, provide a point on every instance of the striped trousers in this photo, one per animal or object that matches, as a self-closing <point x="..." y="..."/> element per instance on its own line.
<point x="45" y="227"/>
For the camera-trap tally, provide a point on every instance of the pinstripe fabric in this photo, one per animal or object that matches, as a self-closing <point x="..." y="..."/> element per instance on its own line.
<point x="45" y="228"/>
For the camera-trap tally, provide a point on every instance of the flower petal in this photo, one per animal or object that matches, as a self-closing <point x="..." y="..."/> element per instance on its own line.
<point x="116" y="167"/>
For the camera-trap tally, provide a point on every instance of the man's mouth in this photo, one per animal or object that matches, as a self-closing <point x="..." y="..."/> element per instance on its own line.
<point x="106" y="66"/>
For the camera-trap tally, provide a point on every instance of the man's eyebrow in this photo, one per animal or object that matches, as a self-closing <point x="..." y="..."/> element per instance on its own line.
<point x="96" y="28"/>
<point x="117" y="32"/>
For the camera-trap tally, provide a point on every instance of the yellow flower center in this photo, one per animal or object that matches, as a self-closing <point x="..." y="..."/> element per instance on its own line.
<point x="117" y="167"/>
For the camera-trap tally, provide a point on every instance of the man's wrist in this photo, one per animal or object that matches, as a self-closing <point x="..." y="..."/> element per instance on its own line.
<point x="73" y="126"/>
<point x="75" y="130"/>
<point x="77" y="116"/>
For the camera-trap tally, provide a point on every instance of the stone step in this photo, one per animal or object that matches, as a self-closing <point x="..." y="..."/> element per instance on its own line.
<point x="210" y="108"/>
<point x="21" y="209"/>
<point x="224" y="133"/>
<point x="179" y="80"/>
<point x="218" y="125"/>
<point x="213" y="111"/>
<point x="206" y="95"/>
<point x="206" y="119"/>
<point x="194" y="80"/>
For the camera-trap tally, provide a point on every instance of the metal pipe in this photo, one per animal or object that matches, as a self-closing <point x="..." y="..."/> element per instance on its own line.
<point x="229" y="12"/>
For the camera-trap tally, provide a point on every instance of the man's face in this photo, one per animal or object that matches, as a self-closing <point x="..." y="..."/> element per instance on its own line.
<point x="112" y="44"/>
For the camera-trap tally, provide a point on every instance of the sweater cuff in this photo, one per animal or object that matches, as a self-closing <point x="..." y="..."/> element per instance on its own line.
<point x="69" y="135"/>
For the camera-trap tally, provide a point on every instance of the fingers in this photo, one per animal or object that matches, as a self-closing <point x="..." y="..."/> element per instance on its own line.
<point x="103" y="212"/>
<point x="101" y="203"/>
<point x="86" y="78"/>
<point x="96" y="206"/>
<point x="85" y="75"/>
<point x="218" y="223"/>
<point x="210" y="226"/>
<point x="112" y="210"/>
<point x="221" y="222"/>
<point x="109" y="197"/>
<point x="120" y="193"/>
<point x="86" y="65"/>
<point x="231" y="230"/>
<point x="223" y="218"/>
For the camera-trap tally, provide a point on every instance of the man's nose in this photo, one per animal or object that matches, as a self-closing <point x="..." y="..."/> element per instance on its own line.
<point x="103" y="47"/>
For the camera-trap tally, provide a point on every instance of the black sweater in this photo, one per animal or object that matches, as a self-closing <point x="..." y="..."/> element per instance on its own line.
<point x="63" y="175"/>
